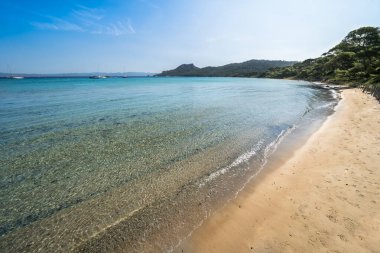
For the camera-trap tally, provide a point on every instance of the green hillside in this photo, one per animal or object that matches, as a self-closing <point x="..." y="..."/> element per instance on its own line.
<point x="244" y="69"/>
<point x="354" y="61"/>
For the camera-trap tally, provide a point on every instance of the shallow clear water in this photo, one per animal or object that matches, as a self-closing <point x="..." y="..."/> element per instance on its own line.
<point x="78" y="156"/>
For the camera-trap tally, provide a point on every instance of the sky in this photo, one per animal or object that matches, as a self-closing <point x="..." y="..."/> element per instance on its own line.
<point x="71" y="36"/>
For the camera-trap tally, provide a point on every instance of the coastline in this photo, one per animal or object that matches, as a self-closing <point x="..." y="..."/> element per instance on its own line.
<point x="177" y="198"/>
<point x="323" y="198"/>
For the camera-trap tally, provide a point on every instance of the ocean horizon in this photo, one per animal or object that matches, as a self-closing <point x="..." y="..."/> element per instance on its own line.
<point x="113" y="163"/>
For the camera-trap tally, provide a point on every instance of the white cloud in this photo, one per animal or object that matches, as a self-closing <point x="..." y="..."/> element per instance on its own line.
<point x="131" y="29"/>
<point x="116" y="29"/>
<point x="44" y="26"/>
<point x="58" y="25"/>
<point x="89" y="20"/>
<point x="86" y="13"/>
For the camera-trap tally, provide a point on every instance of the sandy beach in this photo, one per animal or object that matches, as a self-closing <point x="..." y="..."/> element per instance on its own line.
<point x="324" y="198"/>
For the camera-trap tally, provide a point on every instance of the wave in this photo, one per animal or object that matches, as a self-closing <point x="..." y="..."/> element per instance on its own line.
<point x="245" y="157"/>
<point x="241" y="159"/>
<point x="335" y="94"/>
<point x="328" y="105"/>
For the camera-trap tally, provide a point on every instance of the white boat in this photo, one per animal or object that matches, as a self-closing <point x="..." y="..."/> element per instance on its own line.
<point x="98" y="77"/>
<point x="11" y="76"/>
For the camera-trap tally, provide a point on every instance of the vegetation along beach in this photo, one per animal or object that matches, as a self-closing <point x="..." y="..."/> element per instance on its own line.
<point x="202" y="126"/>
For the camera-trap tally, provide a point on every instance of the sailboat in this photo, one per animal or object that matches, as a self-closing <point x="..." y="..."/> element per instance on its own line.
<point x="12" y="76"/>
<point x="125" y="73"/>
<point x="98" y="76"/>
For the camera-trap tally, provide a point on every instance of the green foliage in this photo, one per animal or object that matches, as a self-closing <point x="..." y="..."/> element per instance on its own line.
<point x="354" y="61"/>
<point x="244" y="69"/>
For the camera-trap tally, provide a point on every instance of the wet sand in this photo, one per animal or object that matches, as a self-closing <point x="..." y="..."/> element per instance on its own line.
<point x="324" y="198"/>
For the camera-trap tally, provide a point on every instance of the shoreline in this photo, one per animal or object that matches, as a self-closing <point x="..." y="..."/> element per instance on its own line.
<point x="322" y="197"/>
<point x="88" y="226"/>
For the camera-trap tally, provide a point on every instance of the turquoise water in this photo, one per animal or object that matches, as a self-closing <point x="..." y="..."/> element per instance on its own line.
<point x="81" y="156"/>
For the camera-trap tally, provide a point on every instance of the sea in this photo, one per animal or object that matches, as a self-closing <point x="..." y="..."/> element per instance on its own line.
<point x="136" y="164"/>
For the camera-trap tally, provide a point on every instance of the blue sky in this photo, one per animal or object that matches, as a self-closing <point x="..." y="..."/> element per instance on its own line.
<point x="147" y="35"/>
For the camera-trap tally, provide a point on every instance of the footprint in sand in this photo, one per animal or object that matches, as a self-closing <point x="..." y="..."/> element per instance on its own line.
<point x="350" y="225"/>
<point x="332" y="215"/>
<point x="294" y="216"/>
<point x="302" y="208"/>
<point x="342" y="237"/>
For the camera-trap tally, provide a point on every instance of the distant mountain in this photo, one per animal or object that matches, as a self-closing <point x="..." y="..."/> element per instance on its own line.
<point x="117" y="74"/>
<point x="244" y="69"/>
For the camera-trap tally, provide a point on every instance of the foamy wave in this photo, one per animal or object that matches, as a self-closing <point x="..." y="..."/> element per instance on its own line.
<point x="269" y="150"/>
<point x="331" y="104"/>
<point x="246" y="156"/>
<point x="334" y="94"/>
<point x="241" y="159"/>
<point x="319" y="83"/>
<point x="274" y="144"/>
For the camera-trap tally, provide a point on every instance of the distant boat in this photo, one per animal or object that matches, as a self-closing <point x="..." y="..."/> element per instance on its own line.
<point x="124" y="73"/>
<point x="98" y="77"/>
<point x="13" y="76"/>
